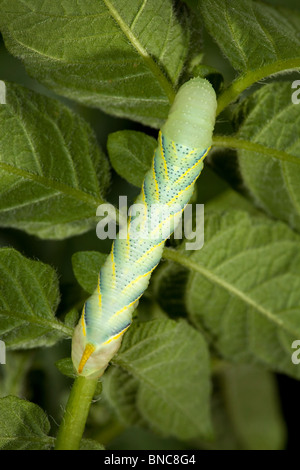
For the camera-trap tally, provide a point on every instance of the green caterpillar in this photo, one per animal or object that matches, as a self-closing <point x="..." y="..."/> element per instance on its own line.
<point x="183" y="143"/>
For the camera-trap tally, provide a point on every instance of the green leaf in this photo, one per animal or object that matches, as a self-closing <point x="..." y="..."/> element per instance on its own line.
<point x="124" y="58"/>
<point x="244" y="289"/>
<point x="252" y="34"/>
<point x="272" y="120"/>
<point x="29" y="296"/>
<point x="24" y="426"/>
<point x="232" y="199"/>
<point x="170" y="279"/>
<point x="71" y="318"/>
<point x="169" y="282"/>
<point x="86" y="267"/>
<point x="253" y="405"/>
<point x="148" y="309"/>
<point x="2" y="92"/>
<point x="131" y="154"/>
<point x="121" y="390"/>
<point x="259" y="40"/>
<point x="224" y="434"/>
<point x="160" y="358"/>
<point x="65" y="366"/>
<point x="52" y="173"/>
<point x="90" y="444"/>
<point x="246" y="410"/>
<point x="13" y="373"/>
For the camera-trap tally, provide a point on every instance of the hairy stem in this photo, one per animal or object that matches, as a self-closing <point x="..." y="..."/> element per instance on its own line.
<point x="245" y="81"/>
<point x="236" y="143"/>
<point x="72" y="426"/>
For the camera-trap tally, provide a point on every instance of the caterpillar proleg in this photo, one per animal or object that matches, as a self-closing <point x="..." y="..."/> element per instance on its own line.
<point x="183" y="143"/>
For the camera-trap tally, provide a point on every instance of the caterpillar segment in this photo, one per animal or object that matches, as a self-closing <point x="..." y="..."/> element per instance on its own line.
<point x="183" y="143"/>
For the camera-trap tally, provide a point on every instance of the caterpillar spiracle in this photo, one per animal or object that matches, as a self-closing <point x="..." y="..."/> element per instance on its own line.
<point x="183" y="143"/>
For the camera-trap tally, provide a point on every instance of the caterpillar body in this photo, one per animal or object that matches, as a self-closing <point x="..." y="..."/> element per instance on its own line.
<point x="183" y="143"/>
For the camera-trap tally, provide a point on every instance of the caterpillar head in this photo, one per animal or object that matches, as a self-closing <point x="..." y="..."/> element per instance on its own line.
<point x="192" y="115"/>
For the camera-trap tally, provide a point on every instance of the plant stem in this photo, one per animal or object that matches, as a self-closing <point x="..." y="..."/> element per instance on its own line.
<point x="245" y="81"/>
<point x="236" y="143"/>
<point x="72" y="426"/>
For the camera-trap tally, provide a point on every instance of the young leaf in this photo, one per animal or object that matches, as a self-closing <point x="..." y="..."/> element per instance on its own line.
<point x="131" y="154"/>
<point x="244" y="289"/>
<point x="161" y="358"/>
<point x="86" y="267"/>
<point x="272" y="120"/>
<point x="245" y="409"/>
<point x="254" y="35"/>
<point x="71" y="318"/>
<point x="258" y="39"/>
<point x="125" y="58"/>
<point x="24" y="426"/>
<point x="52" y="173"/>
<point x="2" y="92"/>
<point x="65" y="366"/>
<point x="12" y="375"/>
<point x="29" y="296"/>
<point x="253" y="405"/>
